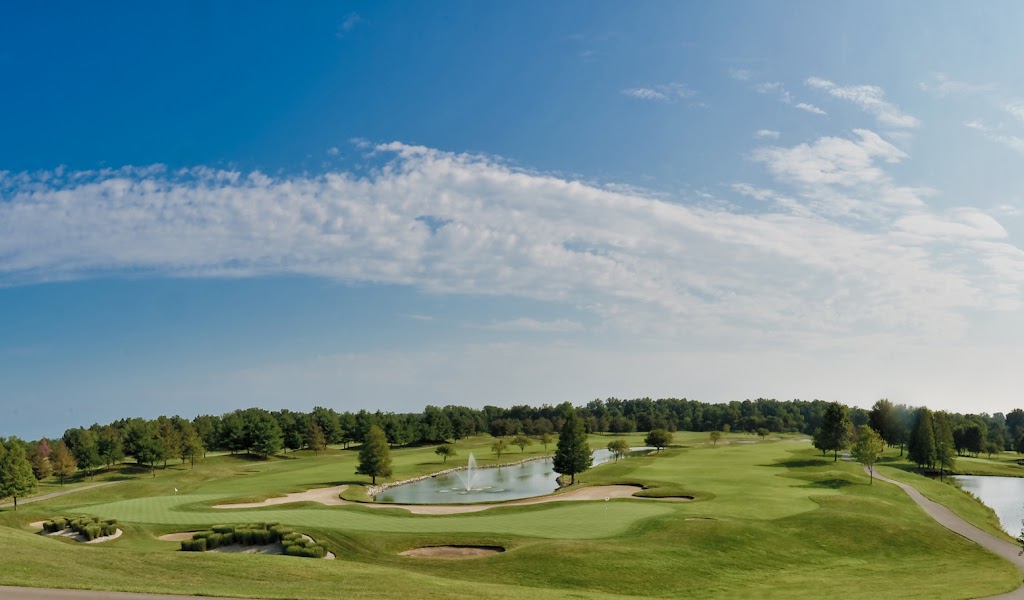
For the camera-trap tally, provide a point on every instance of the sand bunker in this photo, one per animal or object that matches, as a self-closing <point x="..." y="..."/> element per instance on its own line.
<point x="328" y="496"/>
<point x="237" y="548"/>
<point x="176" y="537"/>
<point x="70" y="533"/>
<point x="453" y="551"/>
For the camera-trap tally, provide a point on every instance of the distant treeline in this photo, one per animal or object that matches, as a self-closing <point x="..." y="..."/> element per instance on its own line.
<point x="262" y="432"/>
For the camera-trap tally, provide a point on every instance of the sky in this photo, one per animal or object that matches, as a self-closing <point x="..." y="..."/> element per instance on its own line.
<point x="210" y="206"/>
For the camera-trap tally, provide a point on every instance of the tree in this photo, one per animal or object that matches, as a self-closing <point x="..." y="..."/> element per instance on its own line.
<point x="16" y="477"/>
<point x="499" y="446"/>
<point x="522" y="441"/>
<point x="64" y="464"/>
<point x="82" y="444"/>
<point x="572" y="455"/>
<point x="867" y="448"/>
<point x="618" y="448"/>
<point x="170" y="438"/>
<point x="659" y="438"/>
<point x="374" y="456"/>
<point x="993" y="448"/>
<point x="445" y="450"/>
<point x="834" y="432"/>
<point x="921" y="449"/>
<point x="191" y="447"/>
<point x="109" y="446"/>
<point x="763" y="432"/>
<point x="40" y="459"/>
<point x="882" y="419"/>
<point x="263" y="433"/>
<point x="315" y="438"/>
<point x="545" y="439"/>
<point x="715" y="436"/>
<point x="945" y="452"/>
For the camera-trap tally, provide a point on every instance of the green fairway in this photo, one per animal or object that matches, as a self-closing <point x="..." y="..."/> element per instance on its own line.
<point x="770" y="519"/>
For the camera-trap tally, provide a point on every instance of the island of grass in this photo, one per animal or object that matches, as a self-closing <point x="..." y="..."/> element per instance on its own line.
<point x="83" y="528"/>
<point x="255" y="534"/>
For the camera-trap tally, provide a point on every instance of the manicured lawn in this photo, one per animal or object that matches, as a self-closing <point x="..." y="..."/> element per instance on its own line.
<point x="770" y="519"/>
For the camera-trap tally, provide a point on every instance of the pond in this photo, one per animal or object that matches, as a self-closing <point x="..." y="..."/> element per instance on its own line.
<point x="1005" y="495"/>
<point x="526" y="480"/>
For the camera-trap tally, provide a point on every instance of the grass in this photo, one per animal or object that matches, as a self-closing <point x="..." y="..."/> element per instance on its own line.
<point x="769" y="519"/>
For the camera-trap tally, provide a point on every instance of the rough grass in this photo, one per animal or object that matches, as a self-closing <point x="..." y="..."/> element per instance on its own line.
<point x="778" y="521"/>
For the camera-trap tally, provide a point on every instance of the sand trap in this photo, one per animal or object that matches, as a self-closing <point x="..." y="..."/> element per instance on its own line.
<point x="70" y="533"/>
<point x="176" y="537"/>
<point x="328" y="496"/>
<point x="36" y="524"/>
<point x="453" y="551"/>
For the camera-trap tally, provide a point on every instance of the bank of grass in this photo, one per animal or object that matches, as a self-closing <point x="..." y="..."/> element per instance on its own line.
<point x="770" y="519"/>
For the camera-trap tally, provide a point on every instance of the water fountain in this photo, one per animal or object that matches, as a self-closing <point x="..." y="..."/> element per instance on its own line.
<point x="471" y="474"/>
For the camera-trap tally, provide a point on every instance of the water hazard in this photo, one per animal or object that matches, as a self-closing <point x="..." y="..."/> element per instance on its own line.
<point x="1005" y="495"/>
<point x="526" y="480"/>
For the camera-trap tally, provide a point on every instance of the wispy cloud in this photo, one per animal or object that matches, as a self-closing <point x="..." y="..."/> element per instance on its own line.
<point x="941" y="85"/>
<point x="664" y="92"/>
<point x="777" y="89"/>
<point x="767" y="134"/>
<point x="997" y="134"/>
<point x="840" y="248"/>
<point x="534" y="326"/>
<point x="740" y="74"/>
<point x="348" y="24"/>
<point x="869" y="98"/>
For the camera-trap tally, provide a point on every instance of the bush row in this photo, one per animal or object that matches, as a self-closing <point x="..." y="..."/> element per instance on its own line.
<point x="254" y="534"/>
<point x="89" y="527"/>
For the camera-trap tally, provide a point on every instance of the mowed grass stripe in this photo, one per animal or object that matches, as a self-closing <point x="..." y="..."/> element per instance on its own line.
<point x="586" y="520"/>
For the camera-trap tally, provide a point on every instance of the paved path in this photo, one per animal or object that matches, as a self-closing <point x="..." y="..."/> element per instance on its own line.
<point x="20" y="593"/>
<point x="947" y="519"/>
<point x="55" y="494"/>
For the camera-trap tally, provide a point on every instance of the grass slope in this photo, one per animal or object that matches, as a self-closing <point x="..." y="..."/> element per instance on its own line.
<point x="771" y="519"/>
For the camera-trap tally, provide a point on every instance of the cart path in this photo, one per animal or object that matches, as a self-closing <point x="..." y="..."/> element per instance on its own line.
<point x="950" y="521"/>
<point x="56" y="494"/>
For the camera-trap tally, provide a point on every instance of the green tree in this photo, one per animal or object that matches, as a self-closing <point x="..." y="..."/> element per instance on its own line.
<point x="834" y="433"/>
<point x="40" y="459"/>
<point x="618" y="448"/>
<point x="63" y="462"/>
<point x="109" y="446"/>
<point x="374" y="456"/>
<point x="191" y="447"/>
<point x="499" y="446"/>
<point x="263" y="433"/>
<point x="315" y="438"/>
<point x="545" y="439"/>
<point x="761" y="431"/>
<point x="445" y="451"/>
<point x="715" y="436"/>
<point x="945" y="450"/>
<point x="572" y="455"/>
<point x="522" y="441"/>
<point x="16" y="477"/>
<point x="867" y="448"/>
<point x="659" y="438"/>
<point x="921" y="448"/>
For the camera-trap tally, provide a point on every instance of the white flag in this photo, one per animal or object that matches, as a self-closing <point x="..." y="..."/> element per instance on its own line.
<point x="175" y="489"/>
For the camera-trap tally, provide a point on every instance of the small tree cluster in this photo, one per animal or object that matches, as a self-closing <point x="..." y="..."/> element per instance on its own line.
<point x="88" y="527"/>
<point x="254" y="534"/>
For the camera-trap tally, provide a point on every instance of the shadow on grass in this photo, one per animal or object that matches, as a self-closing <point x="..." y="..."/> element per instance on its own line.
<point x="831" y="484"/>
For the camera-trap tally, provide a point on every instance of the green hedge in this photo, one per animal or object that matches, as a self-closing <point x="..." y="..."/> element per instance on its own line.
<point x="88" y="527"/>
<point x="254" y="534"/>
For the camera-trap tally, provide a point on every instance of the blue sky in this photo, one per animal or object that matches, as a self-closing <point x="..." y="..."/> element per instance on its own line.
<point x="383" y="205"/>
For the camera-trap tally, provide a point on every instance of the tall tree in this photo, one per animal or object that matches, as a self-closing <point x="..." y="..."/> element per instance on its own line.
<point x="883" y="420"/>
<point x="945" y="452"/>
<point x="40" y="459"/>
<point x="315" y="438"/>
<point x="110" y="446"/>
<point x="659" y="438"/>
<point x="374" y="456"/>
<point x="263" y="433"/>
<point x="867" y="448"/>
<point x="16" y="478"/>
<point x="572" y="455"/>
<point x="63" y="462"/>
<point x="82" y="444"/>
<point x="834" y="433"/>
<point x="921" y="447"/>
<point x="191" y="447"/>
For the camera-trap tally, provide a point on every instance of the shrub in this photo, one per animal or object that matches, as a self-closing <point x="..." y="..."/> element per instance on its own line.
<point x="91" y="531"/>
<point x="196" y="545"/>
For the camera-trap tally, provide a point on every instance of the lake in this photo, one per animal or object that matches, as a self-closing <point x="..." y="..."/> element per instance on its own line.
<point x="493" y="484"/>
<point x="1005" y="495"/>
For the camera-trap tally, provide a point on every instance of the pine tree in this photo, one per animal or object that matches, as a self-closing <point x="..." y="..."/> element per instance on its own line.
<point x="572" y="455"/>
<point x="921" y="449"/>
<point x="374" y="456"/>
<point x="16" y="477"/>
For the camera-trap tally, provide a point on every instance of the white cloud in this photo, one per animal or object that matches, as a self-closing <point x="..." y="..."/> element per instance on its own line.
<point x="794" y="267"/>
<point x="740" y="74"/>
<point x="869" y="98"/>
<point x="767" y="133"/>
<point x="784" y="96"/>
<point x="1011" y="141"/>
<point x="348" y="24"/>
<point x="664" y="92"/>
<point x="942" y="86"/>
<point x="333" y="151"/>
<point x="810" y="108"/>
<point x="533" y="325"/>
